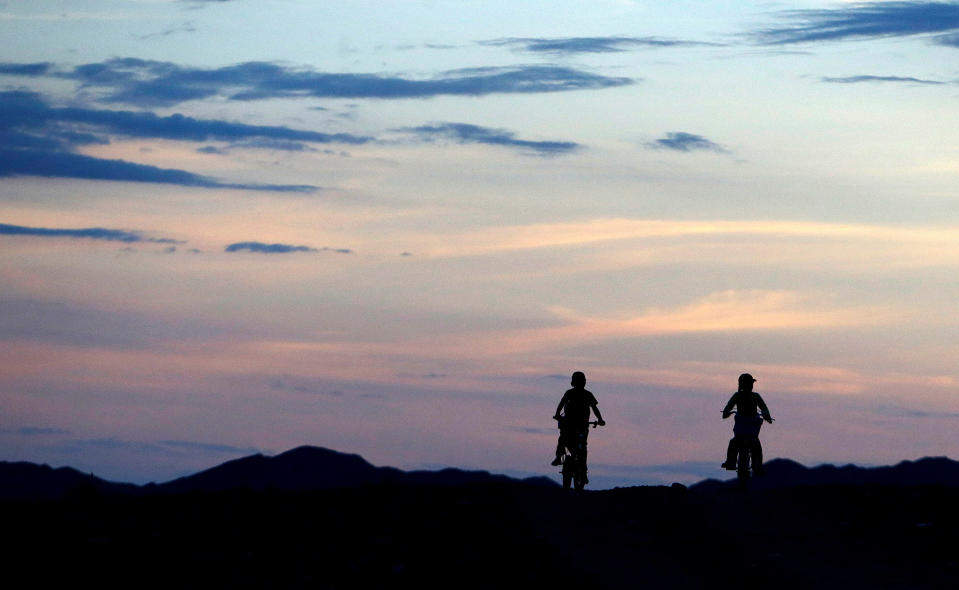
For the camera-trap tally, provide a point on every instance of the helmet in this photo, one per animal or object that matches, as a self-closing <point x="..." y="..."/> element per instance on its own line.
<point x="579" y="379"/>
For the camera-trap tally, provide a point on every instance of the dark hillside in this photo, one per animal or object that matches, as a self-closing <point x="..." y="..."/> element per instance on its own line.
<point x="28" y="480"/>
<point x="492" y="536"/>
<point x="316" y="518"/>
<point x="784" y="473"/>
<point x="302" y="468"/>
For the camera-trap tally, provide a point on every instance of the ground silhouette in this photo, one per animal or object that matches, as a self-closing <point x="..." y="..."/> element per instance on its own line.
<point x="784" y="473"/>
<point x="305" y="468"/>
<point x="490" y="533"/>
<point x="316" y="468"/>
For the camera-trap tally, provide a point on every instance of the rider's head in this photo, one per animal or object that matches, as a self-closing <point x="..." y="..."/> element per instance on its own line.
<point x="746" y="382"/>
<point x="579" y="379"/>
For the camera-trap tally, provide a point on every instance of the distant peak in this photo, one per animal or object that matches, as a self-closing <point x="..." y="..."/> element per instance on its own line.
<point x="311" y="452"/>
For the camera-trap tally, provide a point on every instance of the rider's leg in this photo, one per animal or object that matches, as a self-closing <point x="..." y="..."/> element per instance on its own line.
<point x="757" y="451"/>
<point x="583" y="466"/>
<point x="731" y="452"/>
<point x="560" y="451"/>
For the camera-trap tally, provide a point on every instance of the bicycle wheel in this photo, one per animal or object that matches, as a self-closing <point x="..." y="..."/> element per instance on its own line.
<point x="580" y="480"/>
<point x="743" y="466"/>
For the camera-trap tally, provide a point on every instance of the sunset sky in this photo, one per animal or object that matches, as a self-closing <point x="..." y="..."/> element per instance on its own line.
<point x="395" y="228"/>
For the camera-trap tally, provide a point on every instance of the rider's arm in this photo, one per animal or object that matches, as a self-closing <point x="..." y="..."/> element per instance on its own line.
<point x="559" y="408"/>
<point x="598" y="415"/>
<point x="762" y="408"/>
<point x="729" y="407"/>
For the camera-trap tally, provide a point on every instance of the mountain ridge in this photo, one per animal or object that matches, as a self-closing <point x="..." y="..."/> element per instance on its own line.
<point x="310" y="468"/>
<point x="303" y="468"/>
<point x="784" y="473"/>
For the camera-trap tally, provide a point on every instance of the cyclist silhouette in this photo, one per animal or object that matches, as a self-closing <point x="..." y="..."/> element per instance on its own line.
<point x="751" y="410"/>
<point x="572" y="414"/>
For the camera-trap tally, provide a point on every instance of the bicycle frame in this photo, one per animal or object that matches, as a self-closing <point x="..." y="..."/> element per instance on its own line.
<point x="574" y="461"/>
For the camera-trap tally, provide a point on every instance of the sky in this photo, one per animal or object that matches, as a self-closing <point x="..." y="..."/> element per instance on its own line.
<point x="395" y="228"/>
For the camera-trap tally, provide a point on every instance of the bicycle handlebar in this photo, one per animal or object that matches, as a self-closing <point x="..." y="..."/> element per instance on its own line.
<point x="593" y="423"/>
<point x="760" y="415"/>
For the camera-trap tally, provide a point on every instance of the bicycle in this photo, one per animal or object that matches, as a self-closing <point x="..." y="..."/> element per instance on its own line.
<point x="746" y="435"/>
<point x="574" y="460"/>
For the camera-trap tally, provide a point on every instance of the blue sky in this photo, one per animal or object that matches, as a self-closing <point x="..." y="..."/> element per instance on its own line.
<point x="395" y="228"/>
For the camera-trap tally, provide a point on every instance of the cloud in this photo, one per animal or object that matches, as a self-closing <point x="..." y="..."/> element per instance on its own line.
<point x="73" y="325"/>
<point x="154" y="83"/>
<point x="261" y="144"/>
<point x="295" y="384"/>
<point x="577" y="45"/>
<point x="34" y="69"/>
<point x="51" y="164"/>
<point x="29" y="113"/>
<point x="93" y="233"/>
<point x="754" y="312"/>
<point x="209" y="447"/>
<point x="610" y="475"/>
<point x="187" y="27"/>
<point x="532" y="430"/>
<point x="36" y="431"/>
<point x="466" y="133"/>
<point x="728" y="311"/>
<point x="594" y="231"/>
<point x="267" y="248"/>
<point x="79" y="446"/>
<point x="280" y="248"/>
<point x="686" y="142"/>
<point x="903" y="412"/>
<point x="39" y="140"/>
<point x="865" y="20"/>
<point x="866" y="78"/>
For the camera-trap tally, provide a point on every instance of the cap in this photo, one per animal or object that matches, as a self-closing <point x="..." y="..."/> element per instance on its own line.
<point x="746" y="378"/>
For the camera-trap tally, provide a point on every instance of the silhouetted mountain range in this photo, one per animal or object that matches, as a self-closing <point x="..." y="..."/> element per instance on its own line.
<point x="784" y="473"/>
<point x="31" y="481"/>
<point x="304" y="468"/>
<point x="317" y="518"/>
<point x="310" y="468"/>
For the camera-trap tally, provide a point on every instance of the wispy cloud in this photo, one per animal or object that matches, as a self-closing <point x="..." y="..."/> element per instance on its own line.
<point x="903" y="412"/>
<point x="867" y="78"/>
<point x="680" y="141"/>
<point x="865" y="20"/>
<point x="312" y="386"/>
<point x="467" y="133"/>
<point x="264" y="248"/>
<point x="726" y="311"/>
<point x="551" y="235"/>
<point x="50" y="164"/>
<point x="39" y="140"/>
<point x="79" y="446"/>
<point x="27" y="112"/>
<point x="187" y="27"/>
<point x="36" y="431"/>
<point x="92" y="233"/>
<point x="731" y="311"/>
<point x="31" y="69"/>
<point x="577" y="45"/>
<point x="154" y="83"/>
<point x="72" y="325"/>
<point x="190" y="445"/>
